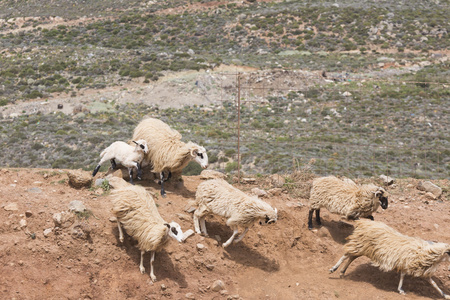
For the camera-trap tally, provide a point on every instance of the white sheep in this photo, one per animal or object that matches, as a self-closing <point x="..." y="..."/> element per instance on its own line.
<point x="390" y="250"/>
<point x="167" y="153"/>
<point x="345" y="197"/>
<point x="135" y="209"/>
<point x="218" y="197"/>
<point x="127" y="155"/>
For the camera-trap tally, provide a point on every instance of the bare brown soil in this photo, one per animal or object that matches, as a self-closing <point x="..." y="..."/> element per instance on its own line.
<point x="285" y="261"/>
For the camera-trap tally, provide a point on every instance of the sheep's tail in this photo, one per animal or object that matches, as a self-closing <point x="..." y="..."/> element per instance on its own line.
<point x="104" y="152"/>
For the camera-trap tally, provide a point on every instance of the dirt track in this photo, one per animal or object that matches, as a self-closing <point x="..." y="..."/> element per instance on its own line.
<point x="283" y="261"/>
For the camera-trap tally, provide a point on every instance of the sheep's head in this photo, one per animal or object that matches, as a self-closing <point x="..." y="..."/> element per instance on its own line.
<point x="199" y="155"/>
<point x="142" y="145"/>
<point x="175" y="231"/>
<point x="269" y="218"/>
<point x="381" y="194"/>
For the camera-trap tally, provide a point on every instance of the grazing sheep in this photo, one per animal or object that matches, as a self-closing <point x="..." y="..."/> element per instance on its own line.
<point x="218" y="197"/>
<point x="167" y="153"/>
<point x="346" y="198"/>
<point x="390" y="250"/>
<point x="127" y="155"/>
<point x="136" y="211"/>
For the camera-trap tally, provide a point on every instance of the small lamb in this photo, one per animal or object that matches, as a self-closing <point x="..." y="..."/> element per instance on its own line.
<point x="127" y="155"/>
<point x="136" y="211"/>
<point x="345" y="197"/>
<point x="390" y="250"/>
<point x="218" y="197"/>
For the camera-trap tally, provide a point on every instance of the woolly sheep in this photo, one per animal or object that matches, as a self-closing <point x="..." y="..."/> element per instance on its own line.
<point x="390" y="250"/>
<point x="218" y="197"/>
<point x="135" y="209"/>
<point x="346" y="198"/>
<point x="127" y="155"/>
<point x="167" y="153"/>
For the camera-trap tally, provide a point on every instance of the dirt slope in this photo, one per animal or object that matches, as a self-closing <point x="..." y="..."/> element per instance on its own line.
<point x="285" y="261"/>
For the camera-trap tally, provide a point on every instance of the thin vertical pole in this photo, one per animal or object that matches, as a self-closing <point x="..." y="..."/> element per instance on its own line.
<point x="239" y="128"/>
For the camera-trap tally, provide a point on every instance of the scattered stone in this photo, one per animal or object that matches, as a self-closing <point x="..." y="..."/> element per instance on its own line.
<point x="38" y="183"/>
<point x="248" y="180"/>
<point x="79" y="179"/>
<point x="210" y="267"/>
<point x="275" y="191"/>
<point x="346" y="94"/>
<point x="113" y="219"/>
<point x="99" y="181"/>
<point x="60" y="106"/>
<point x="11" y="207"/>
<point x="81" y="231"/>
<point x="178" y="256"/>
<point x="211" y="174"/>
<point x="47" y="232"/>
<point x="116" y="257"/>
<point x="183" y="217"/>
<point x="387" y="180"/>
<point x="430" y="196"/>
<point x="218" y="238"/>
<point x="224" y="292"/>
<point x="277" y="180"/>
<point x="189" y="208"/>
<point x="258" y="192"/>
<point x="63" y="219"/>
<point x="190" y="296"/>
<point x="217" y="285"/>
<point x="23" y="223"/>
<point x="77" y="206"/>
<point x="187" y="234"/>
<point x="163" y="287"/>
<point x="28" y="214"/>
<point x="200" y="247"/>
<point x="34" y="190"/>
<point x="428" y="186"/>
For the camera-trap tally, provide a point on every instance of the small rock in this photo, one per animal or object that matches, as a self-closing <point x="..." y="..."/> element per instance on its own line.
<point x="430" y="196"/>
<point x="47" y="232"/>
<point x="163" y="287"/>
<point x="113" y="219"/>
<point x="63" y="219"/>
<point x="211" y="174"/>
<point x="346" y="94"/>
<point x="200" y="247"/>
<point x="218" y="238"/>
<point x="210" y="267"/>
<point x="428" y="186"/>
<point x="99" y="181"/>
<point x="258" y="192"/>
<point x="23" y="223"/>
<point x="275" y="191"/>
<point x="190" y="296"/>
<point x="79" y="179"/>
<point x="35" y="190"/>
<point x="224" y="292"/>
<point x="11" y="207"/>
<point x="116" y="257"/>
<point x="28" y="214"/>
<point x="387" y="180"/>
<point x="248" y="180"/>
<point x="217" y="285"/>
<point x="184" y="217"/>
<point x="77" y="206"/>
<point x="277" y="180"/>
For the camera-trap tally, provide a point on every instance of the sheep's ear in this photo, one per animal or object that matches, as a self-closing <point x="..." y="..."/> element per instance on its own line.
<point x="167" y="224"/>
<point x="135" y="142"/>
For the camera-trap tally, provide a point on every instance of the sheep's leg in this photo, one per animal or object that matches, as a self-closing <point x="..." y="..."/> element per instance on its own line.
<point x="318" y="217"/>
<point x="130" y="172"/>
<point x="163" y="192"/>
<point x="152" y="258"/>
<point x="400" y="290"/>
<point x="196" y="223"/>
<point x="350" y="260"/>
<point x="438" y="289"/>
<point x="141" y="265"/>
<point x="310" y="225"/>
<point x="120" y="231"/>
<point x="241" y="236"/>
<point x="96" y="170"/>
<point x="340" y="261"/>
<point x="139" y="171"/>
<point x="203" y="225"/>
<point x="113" y="163"/>
<point x="227" y="243"/>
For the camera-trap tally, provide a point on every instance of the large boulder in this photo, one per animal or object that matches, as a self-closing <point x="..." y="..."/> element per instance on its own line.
<point x="428" y="186"/>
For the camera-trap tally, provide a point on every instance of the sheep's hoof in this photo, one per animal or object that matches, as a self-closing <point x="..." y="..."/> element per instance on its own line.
<point x="163" y="195"/>
<point x="139" y="178"/>
<point x="121" y="239"/>
<point x="142" y="269"/>
<point x="446" y="296"/>
<point x="332" y="270"/>
<point x="402" y="292"/>
<point x="341" y="275"/>
<point x="153" y="277"/>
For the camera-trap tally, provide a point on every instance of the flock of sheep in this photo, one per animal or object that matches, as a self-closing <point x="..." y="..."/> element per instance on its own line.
<point x="156" y="145"/>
